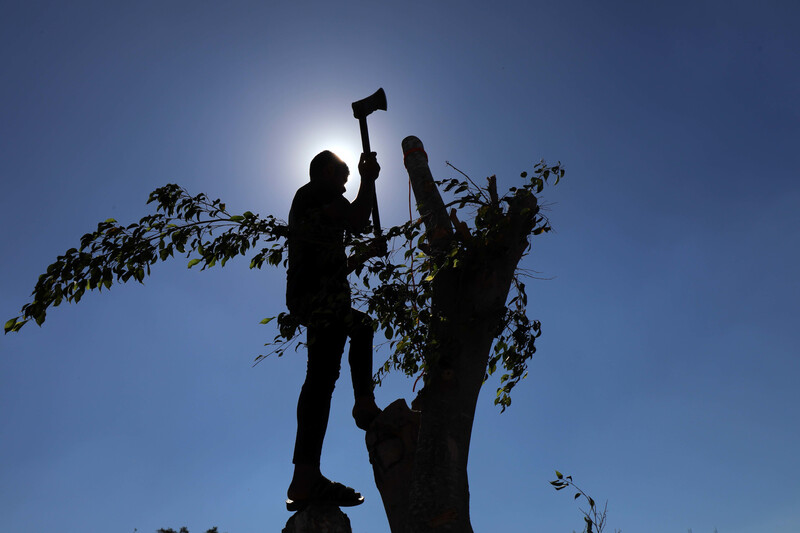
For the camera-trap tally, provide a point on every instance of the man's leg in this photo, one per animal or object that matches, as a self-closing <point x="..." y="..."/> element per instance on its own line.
<point x="359" y="329"/>
<point x="325" y="347"/>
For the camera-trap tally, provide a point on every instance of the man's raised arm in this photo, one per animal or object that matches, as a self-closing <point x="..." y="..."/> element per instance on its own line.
<point x="369" y="169"/>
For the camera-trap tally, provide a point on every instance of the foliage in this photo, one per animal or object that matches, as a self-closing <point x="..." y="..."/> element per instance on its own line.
<point x="397" y="289"/>
<point x="402" y="304"/>
<point x="595" y="519"/>
<point x="182" y="223"/>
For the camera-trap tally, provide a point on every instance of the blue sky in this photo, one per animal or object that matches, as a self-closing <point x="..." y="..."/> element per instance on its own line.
<point x="666" y="377"/>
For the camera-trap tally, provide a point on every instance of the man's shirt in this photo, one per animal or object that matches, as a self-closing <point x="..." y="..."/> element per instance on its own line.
<point x="317" y="276"/>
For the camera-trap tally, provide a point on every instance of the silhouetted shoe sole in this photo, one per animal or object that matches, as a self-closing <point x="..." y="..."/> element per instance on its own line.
<point x="327" y="492"/>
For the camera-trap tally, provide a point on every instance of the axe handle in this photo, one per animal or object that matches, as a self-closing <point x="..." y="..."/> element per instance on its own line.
<point x="376" y="217"/>
<point x="362" y="122"/>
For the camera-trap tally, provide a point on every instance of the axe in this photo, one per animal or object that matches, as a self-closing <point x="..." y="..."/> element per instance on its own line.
<point x="361" y="109"/>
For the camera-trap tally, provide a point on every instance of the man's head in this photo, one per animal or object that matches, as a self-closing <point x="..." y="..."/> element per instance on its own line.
<point x="328" y="170"/>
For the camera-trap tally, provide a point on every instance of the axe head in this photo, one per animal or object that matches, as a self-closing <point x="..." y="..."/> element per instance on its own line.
<point x="375" y="101"/>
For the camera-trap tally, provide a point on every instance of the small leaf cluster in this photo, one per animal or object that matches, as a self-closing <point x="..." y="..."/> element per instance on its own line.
<point x="542" y="172"/>
<point x="287" y="336"/>
<point x="595" y="518"/>
<point x="514" y="346"/>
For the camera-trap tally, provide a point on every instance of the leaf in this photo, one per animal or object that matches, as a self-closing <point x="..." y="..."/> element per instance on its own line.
<point x="237" y="218"/>
<point x="9" y="325"/>
<point x="192" y="263"/>
<point x="267" y="320"/>
<point x="577" y="495"/>
<point x="559" y="475"/>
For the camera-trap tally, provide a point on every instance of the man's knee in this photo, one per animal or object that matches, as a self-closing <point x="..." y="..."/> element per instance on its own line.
<point x="323" y="371"/>
<point x="322" y="378"/>
<point x="325" y="347"/>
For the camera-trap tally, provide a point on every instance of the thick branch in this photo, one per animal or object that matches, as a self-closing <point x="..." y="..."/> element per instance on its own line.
<point x="429" y="202"/>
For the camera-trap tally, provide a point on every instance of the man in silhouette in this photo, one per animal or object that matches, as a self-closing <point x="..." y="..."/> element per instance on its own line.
<point x="318" y="296"/>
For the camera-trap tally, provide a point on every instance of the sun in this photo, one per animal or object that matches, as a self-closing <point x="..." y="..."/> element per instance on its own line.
<point x="344" y="142"/>
<point x="339" y="140"/>
<point x="345" y="152"/>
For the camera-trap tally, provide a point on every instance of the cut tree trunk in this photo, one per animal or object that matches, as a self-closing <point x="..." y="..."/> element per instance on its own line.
<point x="392" y="443"/>
<point x="423" y="481"/>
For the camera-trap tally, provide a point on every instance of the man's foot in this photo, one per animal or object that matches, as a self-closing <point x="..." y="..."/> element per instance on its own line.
<point x="324" y="492"/>
<point x="365" y="411"/>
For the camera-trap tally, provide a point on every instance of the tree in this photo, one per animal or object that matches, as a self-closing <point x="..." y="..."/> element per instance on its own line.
<point x="441" y="299"/>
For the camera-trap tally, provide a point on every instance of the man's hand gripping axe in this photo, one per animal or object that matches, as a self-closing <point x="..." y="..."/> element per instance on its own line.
<point x="361" y="109"/>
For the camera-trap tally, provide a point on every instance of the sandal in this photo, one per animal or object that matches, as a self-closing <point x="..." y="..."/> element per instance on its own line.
<point x="327" y="492"/>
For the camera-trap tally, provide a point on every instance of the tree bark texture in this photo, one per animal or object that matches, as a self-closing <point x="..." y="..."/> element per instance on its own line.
<point x="429" y="490"/>
<point x="391" y="443"/>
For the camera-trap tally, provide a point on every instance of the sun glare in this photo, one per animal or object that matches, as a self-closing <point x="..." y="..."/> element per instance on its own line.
<point x="346" y="153"/>
<point x="344" y="144"/>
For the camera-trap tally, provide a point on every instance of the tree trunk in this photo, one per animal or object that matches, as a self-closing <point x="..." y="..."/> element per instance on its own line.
<point x="392" y="443"/>
<point x="425" y="487"/>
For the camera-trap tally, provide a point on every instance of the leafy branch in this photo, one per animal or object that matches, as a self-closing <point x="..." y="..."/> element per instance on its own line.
<point x="594" y="518"/>
<point x="182" y="223"/>
<point x="397" y="290"/>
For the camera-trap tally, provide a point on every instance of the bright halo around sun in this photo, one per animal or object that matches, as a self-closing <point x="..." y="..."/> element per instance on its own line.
<point x="344" y="144"/>
<point x="347" y="154"/>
